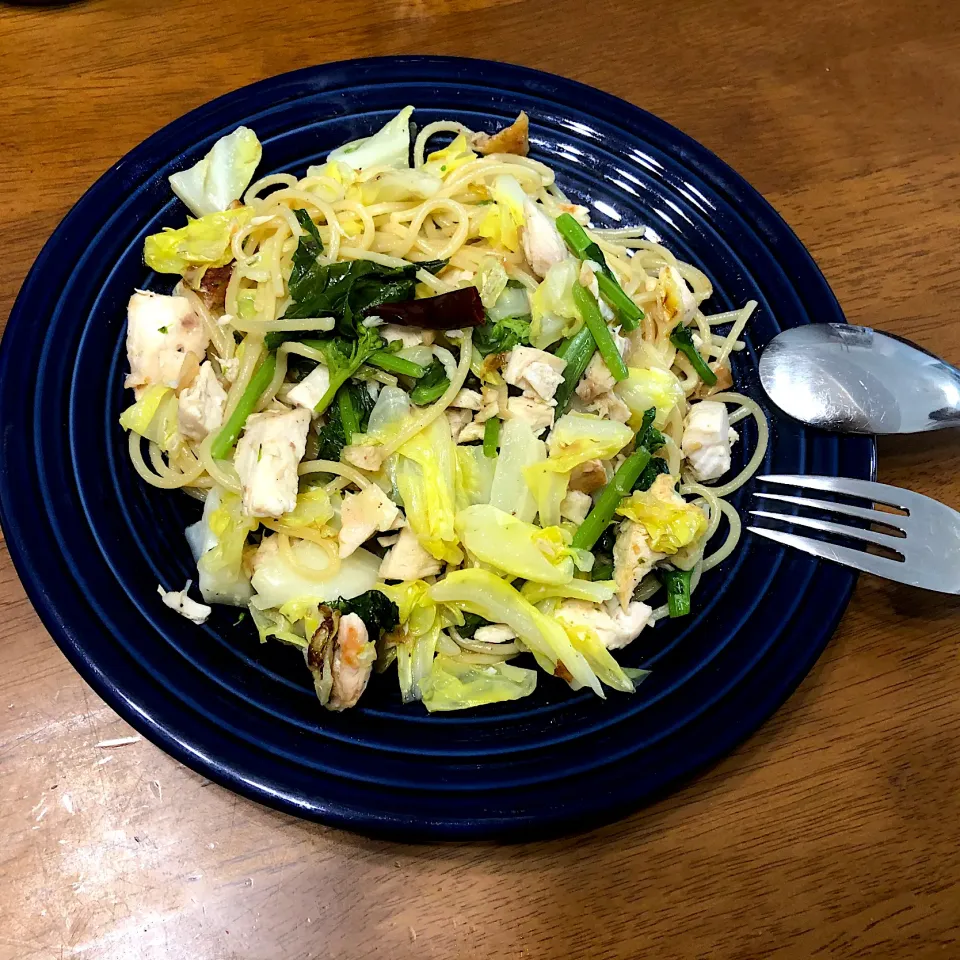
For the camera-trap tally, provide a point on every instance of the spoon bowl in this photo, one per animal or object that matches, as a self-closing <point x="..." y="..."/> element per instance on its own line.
<point x="857" y="380"/>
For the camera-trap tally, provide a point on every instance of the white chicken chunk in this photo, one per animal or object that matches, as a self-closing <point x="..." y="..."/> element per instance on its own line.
<point x="161" y="331"/>
<point x="615" y="627"/>
<point x="472" y="431"/>
<point x="589" y="477"/>
<point x="364" y="514"/>
<point x="459" y="420"/>
<point x="596" y="388"/>
<point x="267" y="457"/>
<point x="310" y="390"/>
<point x="408" y="560"/>
<point x="495" y="633"/>
<point x="633" y="559"/>
<point x="542" y="244"/>
<point x="706" y="439"/>
<point x="575" y="506"/>
<point x="538" y="414"/>
<point x="535" y="371"/>
<point x="408" y="336"/>
<point x="200" y="410"/>
<point x="179" y="602"/>
<point x="467" y="400"/>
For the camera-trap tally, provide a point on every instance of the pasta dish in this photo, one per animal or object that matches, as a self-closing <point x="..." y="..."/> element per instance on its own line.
<point x="434" y="415"/>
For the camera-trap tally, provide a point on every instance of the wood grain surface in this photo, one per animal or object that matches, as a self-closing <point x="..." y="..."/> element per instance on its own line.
<point x="833" y="832"/>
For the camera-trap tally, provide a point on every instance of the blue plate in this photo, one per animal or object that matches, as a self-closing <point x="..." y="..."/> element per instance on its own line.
<point x="91" y="541"/>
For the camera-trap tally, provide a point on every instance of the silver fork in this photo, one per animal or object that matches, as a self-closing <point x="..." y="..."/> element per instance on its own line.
<point x="929" y="544"/>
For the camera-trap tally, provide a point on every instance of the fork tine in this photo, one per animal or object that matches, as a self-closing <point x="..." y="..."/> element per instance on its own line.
<point x="826" y="526"/>
<point x="874" y="516"/>
<point x="881" y="566"/>
<point x="868" y="489"/>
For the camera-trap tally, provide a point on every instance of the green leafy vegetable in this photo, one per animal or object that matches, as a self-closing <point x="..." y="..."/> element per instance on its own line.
<point x="501" y="336"/>
<point x="471" y="624"/>
<point x="578" y="351"/>
<point x="651" y="471"/>
<point x="378" y="612"/>
<point x="432" y="385"/>
<point x="305" y="256"/>
<point x="344" y="357"/>
<point x="385" y="360"/>
<point x="677" y="583"/>
<point x="580" y="243"/>
<point x="682" y="339"/>
<point x="332" y="436"/>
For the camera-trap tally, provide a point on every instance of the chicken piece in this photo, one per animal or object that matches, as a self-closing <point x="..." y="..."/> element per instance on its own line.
<point x="706" y="440"/>
<point x="366" y="456"/>
<point x="575" y="506"/>
<point x="471" y="432"/>
<point x="596" y="381"/>
<point x="340" y="656"/>
<point x="311" y="389"/>
<point x="230" y="368"/>
<point x="535" y="371"/>
<point x="467" y="400"/>
<point x="495" y="633"/>
<point x="724" y="381"/>
<point x="614" y="627"/>
<point x="633" y="559"/>
<point x="161" y="330"/>
<point x="514" y="139"/>
<point x="458" y="420"/>
<point x="213" y="287"/>
<point x="179" y="602"/>
<point x="408" y="560"/>
<point x="542" y="244"/>
<point x="364" y="514"/>
<point x="408" y="336"/>
<point x="533" y="411"/>
<point x="609" y="406"/>
<point x="267" y="457"/>
<point x="489" y="404"/>
<point x="200" y="410"/>
<point x="589" y="477"/>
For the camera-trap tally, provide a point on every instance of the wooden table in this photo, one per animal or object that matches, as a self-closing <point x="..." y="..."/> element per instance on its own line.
<point x="834" y="832"/>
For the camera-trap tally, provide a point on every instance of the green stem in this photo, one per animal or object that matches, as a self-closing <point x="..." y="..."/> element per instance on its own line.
<point x="394" y="364"/>
<point x="629" y="313"/>
<point x="682" y="339"/>
<point x="578" y="350"/>
<point x="677" y="583"/>
<point x="491" y="437"/>
<point x="590" y="312"/>
<point x="348" y="413"/>
<point x="589" y="532"/>
<point x="580" y="243"/>
<point x="221" y="447"/>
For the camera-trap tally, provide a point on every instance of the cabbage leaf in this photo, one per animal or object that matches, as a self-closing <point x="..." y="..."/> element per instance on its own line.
<point x="453" y="684"/>
<point x="389" y="146"/>
<point x="670" y="522"/>
<point x="201" y="243"/>
<point x="649" y="387"/>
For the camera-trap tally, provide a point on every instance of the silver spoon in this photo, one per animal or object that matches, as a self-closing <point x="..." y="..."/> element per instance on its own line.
<point x="857" y="380"/>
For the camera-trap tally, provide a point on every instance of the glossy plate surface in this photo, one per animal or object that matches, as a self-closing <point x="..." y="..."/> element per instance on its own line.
<point x="91" y="542"/>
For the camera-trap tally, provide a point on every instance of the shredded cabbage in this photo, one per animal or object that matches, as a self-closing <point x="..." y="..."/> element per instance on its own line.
<point x="596" y="591"/>
<point x="554" y="313"/>
<point x="313" y="511"/>
<point x="455" y="685"/>
<point x="201" y="243"/>
<point x="519" y="449"/>
<point x="646" y="388"/>
<point x="221" y="176"/>
<point x="483" y="593"/>
<point x="426" y="472"/>
<point x="270" y="623"/>
<point x="154" y="416"/>
<point x="670" y="522"/>
<point x="491" y="280"/>
<point x="277" y="582"/>
<point x="518" y="548"/>
<point x="418" y="634"/>
<point x="474" y="477"/>
<point x="505" y="215"/>
<point x="221" y="536"/>
<point x="389" y="146"/>
<point x="441" y="163"/>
